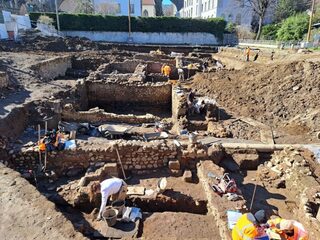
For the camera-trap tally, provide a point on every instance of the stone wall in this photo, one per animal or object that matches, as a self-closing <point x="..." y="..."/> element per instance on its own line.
<point x="13" y="124"/>
<point x="179" y="104"/>
<point x="102" y="93"/>
<point x="53" y="67"/>
<point x="4" y="81"/>
<point x="99" y="115"/>
<point x="135" y="156"/>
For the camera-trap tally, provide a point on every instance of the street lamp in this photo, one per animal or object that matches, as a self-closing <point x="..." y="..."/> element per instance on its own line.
<point x="57" y="15"/>
<point x="130" y="40"/>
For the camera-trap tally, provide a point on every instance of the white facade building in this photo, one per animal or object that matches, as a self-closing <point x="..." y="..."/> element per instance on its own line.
<point x="231" y="10"/>
<point x="148" y="8"/>
<point x="117" y="7"/>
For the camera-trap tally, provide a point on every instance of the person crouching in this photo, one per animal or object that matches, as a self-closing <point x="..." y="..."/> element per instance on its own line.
<point x="114" y="187"/>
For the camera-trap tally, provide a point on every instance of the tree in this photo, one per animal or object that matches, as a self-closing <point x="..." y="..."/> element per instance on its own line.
<point x="269" y="32"/>
<point x="293" y="28"/>
<point x="85" y="6"/>
<point x="259" y="8"/>
<point x="158" y="7"/>
<point x="178" y="3"/>
<point x="287" y="8"/>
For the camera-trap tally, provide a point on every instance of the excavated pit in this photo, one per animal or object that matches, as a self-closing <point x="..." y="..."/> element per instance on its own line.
<point x="134" y="93"/>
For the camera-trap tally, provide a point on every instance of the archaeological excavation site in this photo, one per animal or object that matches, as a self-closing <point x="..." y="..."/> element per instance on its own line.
<point x="194" y="146"/>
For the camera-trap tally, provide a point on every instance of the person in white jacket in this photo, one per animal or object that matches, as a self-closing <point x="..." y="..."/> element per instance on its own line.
<point x="114" y="187"/>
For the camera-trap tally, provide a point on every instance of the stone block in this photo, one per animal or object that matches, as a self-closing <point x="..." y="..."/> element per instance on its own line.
<point x="111" y="169"/>
<point x="174" y="165"/>
<point x="187" y="176"/>
<point x="4" y="81"/>
<point x="215" y="153"/>
<point x="175" y="173"/>
<point x="246" y="161"/>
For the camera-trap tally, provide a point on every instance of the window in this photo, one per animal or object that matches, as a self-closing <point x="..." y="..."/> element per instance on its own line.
<point x="212" y="4"/>
<point x="209" y="4"/>
<point x="205" y="6"/>
<point x="145" y="13"/>
<point x="117" y="8"/>
<point x="131" y="8"/>
<point x="185" y="3"/>
<point x="191" y="11"/>
<point x="238" y="19"/>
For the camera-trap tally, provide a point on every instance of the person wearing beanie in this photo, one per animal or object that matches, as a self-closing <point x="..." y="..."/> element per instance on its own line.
<point x="247" y="226"/>
<point x="288" y="229"/>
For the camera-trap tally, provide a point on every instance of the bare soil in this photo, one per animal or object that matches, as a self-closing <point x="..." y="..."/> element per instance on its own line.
<point x="281" y="94"/>
<point x="26" y="214"/>
<point x="169" y="225"/>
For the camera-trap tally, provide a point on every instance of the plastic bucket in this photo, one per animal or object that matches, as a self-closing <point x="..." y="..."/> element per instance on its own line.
<point x="118" y="205"/>
<point x="110" y="216"/>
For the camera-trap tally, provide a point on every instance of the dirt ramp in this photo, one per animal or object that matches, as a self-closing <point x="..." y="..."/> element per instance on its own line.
<point x="26" y="214"/>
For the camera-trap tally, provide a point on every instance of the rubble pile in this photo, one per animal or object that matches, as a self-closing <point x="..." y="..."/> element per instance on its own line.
<point x="283" y="166"/>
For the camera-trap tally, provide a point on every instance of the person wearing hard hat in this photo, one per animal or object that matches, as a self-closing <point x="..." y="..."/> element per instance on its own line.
<point x="247" y="226"/>
<point x="288" y="229"/>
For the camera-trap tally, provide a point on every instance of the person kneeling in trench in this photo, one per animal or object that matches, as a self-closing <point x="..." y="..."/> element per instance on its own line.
<point x="114" y="187"/>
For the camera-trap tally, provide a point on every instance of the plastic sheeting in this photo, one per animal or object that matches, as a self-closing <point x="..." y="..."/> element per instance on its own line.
<point x="3" y="32"/>
<point x="23" y="22"/>
<point x="316" y="151"/>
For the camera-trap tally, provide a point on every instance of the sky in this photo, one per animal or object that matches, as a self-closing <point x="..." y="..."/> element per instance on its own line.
<point x="166" y="2"/>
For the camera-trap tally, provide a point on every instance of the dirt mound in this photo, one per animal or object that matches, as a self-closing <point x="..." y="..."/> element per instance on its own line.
<point x="52" y="44"/>
<point x="26" y="214"/>
<point x="272" y="94"/>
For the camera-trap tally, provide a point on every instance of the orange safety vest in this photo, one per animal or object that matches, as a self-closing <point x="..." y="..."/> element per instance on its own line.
<point x="248" y="51"/>
<point x="245" y="229"/>
<point x="167" y="70"/>
<point x="299" y="232"/>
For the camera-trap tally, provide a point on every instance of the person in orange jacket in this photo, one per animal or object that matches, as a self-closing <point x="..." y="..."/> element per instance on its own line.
<point x="247" y="226"/>
<point x="288" y="229"/>
<point x="247" y="53"/>
<point x="166" y="70"/>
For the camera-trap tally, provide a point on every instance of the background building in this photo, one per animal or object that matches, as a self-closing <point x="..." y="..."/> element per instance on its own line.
<point x="148" y="8"/>
<point x="117" y="7"/>
<point x="231" y="10"/>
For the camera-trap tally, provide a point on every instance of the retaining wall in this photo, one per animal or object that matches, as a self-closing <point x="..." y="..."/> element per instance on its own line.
<point x="3" y="80"/>
<point x="53" y="67"/>
<point x="135" y="155"/>
<point x="13" y="124"/>
<point x="109" y="93"/>
<point x="196" y="38"/>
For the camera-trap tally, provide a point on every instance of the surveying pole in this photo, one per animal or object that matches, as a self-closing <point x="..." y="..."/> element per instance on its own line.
<point x="310" y="21"/>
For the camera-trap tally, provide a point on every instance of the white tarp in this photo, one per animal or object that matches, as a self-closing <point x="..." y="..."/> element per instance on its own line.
<point x="316" y="151"/>
<point x="3" y="31"/>
<point x="23" y="22"/>
<point x="47" y="30"/>
<point x="6" y="16"/>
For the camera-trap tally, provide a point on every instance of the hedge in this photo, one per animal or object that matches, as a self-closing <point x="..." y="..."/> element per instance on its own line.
<point x="88" y="22"/>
